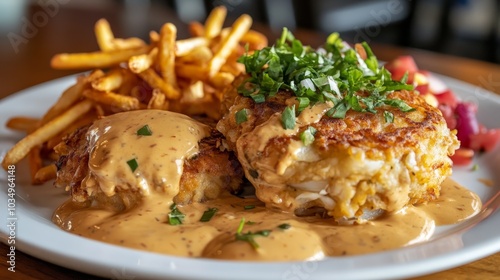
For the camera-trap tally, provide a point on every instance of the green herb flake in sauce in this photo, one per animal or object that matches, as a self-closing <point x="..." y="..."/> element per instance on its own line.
<point x="133" y="164"/>
<point x="248" y="207"/>
<point x="208" y="214"/>
<point x="335" y="73"/>
<point x="307" y="136"/>
<point x="249" y="236"/>
<point x="475" y="167"/>
<point x="175" y="216"/>
<point x="144" y="131"/>
<point x="241" y="116"/>
<point x="284" y="226"/>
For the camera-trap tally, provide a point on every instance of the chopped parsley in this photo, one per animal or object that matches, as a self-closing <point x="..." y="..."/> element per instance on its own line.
<point x="144" y="131"/>
<point x="175" y="216"/>
<point x="248" y="207"/>
<point x="249" y="236"/>
<point x="288" y="118"/>
<point x="241" y="116"/>
<point x="335" y="73"/>
<point x="133" y="164"/>
<point x="307" y="136"/>
<point x="389" y="117"/>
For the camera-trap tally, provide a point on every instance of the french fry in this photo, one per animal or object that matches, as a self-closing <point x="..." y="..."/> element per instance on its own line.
<point x="95" y="59"/>
<point x="70" y="96"/>
<point x="124" y="103"/>
<point x="44" y="133"/>
<point x="139" y="63"/>
<point x="155" y="81"/>
<point x="196" y="29"/>
<point x="25" y="124"/>
<point x="157" y="101"/>
<point x="84" y="120"/>
<point x="214" y="22"/>
<point x="199" y="55"/>
<point x="240" y="27"/>
<point x="255" y="40"/>
<point x="45" y="174"/>
<point x="35" y="161"/>
<point x="222" y="79"/>
<point x="166" y="53"/>
<point x="183" y="47"/>
<point x="104" y="35"/>
<point x="193" y="92"/>
<point x="154" y="37"/>
<point x="129" y="43"/>
<point x="191" y="71"/>
<point x="109" y="82"/>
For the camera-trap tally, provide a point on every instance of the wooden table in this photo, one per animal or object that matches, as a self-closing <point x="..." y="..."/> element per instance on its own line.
<point x="71" y="30"/>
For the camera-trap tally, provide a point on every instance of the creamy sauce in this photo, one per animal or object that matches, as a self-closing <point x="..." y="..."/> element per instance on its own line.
<point x="146" y="227"/>
<point x="159" y="156"/>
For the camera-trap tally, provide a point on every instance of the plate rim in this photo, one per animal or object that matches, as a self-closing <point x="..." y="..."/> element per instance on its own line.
<point x="33" y="248"/>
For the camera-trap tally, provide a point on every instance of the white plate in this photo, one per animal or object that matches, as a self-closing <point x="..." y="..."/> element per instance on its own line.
<point x="450" y="246"/>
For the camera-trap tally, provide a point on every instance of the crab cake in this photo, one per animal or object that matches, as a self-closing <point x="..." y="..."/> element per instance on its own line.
<point x="124" y="157"/>
<point x="328" y="130"/>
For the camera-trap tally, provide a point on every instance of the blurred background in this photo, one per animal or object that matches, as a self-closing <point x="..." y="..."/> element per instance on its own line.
<point x="469" y="28"/>
<point x="466" y="28"/>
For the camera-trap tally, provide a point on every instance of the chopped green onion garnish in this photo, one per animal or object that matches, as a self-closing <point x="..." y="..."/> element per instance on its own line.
<point x="208" y="214"/>
<point x="144" y="131"/>
<point x="284" y="226"/>
<point x="249" y="236"/>
<point x="475" y="167"/>
<point x="307" y="136"/>
<point x="133" y="164"/>
<point x="336" y="73"/>
<point x="241" y="116"/>
<point x="175" y="216"/>
<point x="389" y="117"/>
<point x="288" y="117"/>
<point x="248" y="207"/>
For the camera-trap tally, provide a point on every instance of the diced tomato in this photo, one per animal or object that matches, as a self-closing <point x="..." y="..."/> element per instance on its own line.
<point x="399" y="66"/>
<point x="447" y="98"/>
<point x="462" y="156"/>
<point x="485" y="140"/>
<point x="423" y="89"/>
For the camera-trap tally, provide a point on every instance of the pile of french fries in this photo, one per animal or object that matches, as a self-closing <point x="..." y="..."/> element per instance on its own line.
<point x="186" y="76"/>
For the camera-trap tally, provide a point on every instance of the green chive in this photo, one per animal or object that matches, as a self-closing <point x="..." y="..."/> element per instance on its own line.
<point x="288" y="117"/>
<point x="133" y="164"/>
<point x="144" y="131"/>
<point x="249" y="236"/>
<point x="475" y="167"/>
<point x="208" y="214"/>
<point x="175" y="217"/>
<point x="241" y="116"/>
<point x="248" y="207"/>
